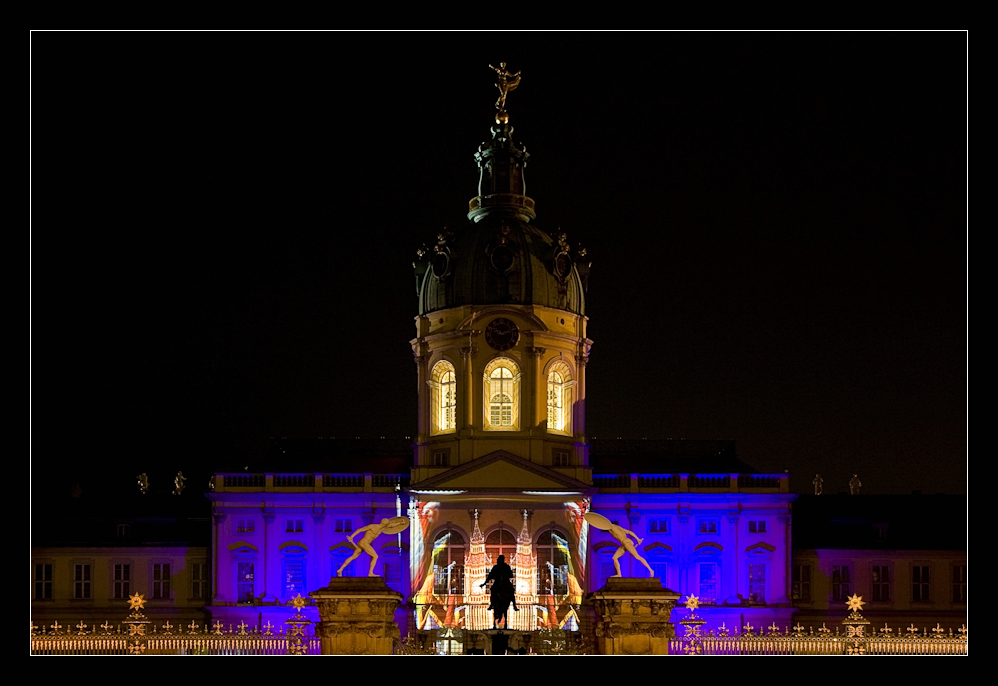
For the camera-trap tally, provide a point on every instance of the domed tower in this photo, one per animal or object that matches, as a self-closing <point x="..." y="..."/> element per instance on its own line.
<point x="501" y="344"/>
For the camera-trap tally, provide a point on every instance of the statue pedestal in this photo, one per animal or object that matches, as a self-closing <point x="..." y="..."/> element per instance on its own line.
<point x="357" y="616"/>
<point x="629" y="617"/>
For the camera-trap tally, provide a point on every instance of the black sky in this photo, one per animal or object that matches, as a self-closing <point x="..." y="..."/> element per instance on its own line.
<point x="223" y="226"/>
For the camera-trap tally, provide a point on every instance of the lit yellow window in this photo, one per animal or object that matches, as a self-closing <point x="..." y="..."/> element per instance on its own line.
<point x="560" y="398"/>
<point x="443" y="382"/>
<point x="502" y="395"/>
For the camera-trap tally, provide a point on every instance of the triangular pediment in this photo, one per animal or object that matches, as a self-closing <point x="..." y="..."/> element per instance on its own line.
<point x="501" y="471"/>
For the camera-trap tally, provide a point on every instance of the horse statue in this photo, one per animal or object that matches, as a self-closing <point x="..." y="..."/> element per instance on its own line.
<point x="502" y="592"/>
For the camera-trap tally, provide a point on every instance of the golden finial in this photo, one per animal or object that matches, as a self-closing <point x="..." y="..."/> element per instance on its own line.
<point x="692" y="602"/>
<point x="505" y="82"/>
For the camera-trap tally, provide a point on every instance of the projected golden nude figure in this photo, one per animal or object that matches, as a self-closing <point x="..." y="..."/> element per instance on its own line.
<point x="623" y="536"/>
<point x="505" y="82"/>
<point x="394" y="525"/>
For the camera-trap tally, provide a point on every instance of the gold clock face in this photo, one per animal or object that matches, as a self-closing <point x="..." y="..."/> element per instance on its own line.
<point x="502" y="334"/>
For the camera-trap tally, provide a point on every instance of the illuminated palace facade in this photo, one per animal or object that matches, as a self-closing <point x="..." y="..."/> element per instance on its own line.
<point x="501" y="464"/>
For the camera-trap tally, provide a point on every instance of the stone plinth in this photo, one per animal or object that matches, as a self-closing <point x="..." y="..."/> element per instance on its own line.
<point x="629" y="617"/>
<point x="357" y="616"/>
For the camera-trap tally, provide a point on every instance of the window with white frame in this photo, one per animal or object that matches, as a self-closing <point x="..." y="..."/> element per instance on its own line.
<point x="560" y="458"/>
<point x="199" y="580"/>
<point x="707" y="526"/>
<point x="443" y="382"/>
<point x="502" y="395"/>
<point x="245" y="525"/>
<point x="880" y="579"/>
<point x="343" y="526"/>
<point x="122" y="530"/>
<point x="441" y="458"/>
<point x="43" y="581"/>
<point x="161" y="581"/>
<point x="757" y="526"/>
<point x="294" y="526"/>
<point x="81" y="581"/>
<point x="841" y="585"/>
<point x="559" y="397"/>
<point x="920" y="583"/>
<point x="121" y="580"/>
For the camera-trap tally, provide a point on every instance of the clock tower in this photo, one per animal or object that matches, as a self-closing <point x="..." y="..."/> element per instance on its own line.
<point x="501" y="346"/>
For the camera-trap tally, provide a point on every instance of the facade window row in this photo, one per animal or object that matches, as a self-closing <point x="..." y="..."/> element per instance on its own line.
<point x="246" y="526"/>
<point x="882" y="583"/>
<point x="121" y="581"/>
<point x="501" y="397"/>
<point x="294" y="577"/>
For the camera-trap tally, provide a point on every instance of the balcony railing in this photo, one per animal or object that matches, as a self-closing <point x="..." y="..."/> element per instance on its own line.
<point x="297" y="483"/>
<point x="692" y="483"/>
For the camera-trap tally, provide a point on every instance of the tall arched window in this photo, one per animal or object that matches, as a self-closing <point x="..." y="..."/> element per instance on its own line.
<point x="552" y="563"/>
<point x="443" y="381"/>
<point x="560" y="397"/>
<point x="502" y="395"/>
<point x="448" y="563"/>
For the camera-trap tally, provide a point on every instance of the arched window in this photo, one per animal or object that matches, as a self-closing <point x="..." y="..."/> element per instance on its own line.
<point x="502" y="395"/>
<point x="448" y="563"/>
<point x="443" y="381"/>
<point x="552" y="563"/>
<point x="501" y="542"/>
<point x="560" y="397"/>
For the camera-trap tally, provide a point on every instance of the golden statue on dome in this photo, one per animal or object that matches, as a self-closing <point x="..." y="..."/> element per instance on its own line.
<point x="505" y="82"/>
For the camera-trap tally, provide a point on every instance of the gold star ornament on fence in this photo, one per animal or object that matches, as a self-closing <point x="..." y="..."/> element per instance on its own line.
<point x="855" y="602"/>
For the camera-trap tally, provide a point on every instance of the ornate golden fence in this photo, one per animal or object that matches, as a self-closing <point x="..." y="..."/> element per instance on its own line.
<point x="139" y="636"/>
<point x="854" y="638"/>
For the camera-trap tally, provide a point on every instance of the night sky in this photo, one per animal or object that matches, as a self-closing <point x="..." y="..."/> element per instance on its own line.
<point x="224" y="224"/>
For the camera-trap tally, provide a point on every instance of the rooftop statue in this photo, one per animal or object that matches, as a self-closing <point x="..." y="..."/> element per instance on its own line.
<point x="394" y="525"/>
<point x="854" y="485"/>
<point x="505" y="82"/>
<point x="623" y="536"/>
<point x="818" y="482"/>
